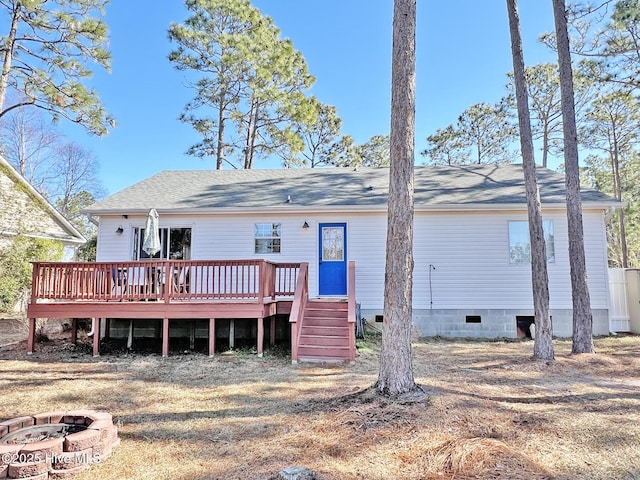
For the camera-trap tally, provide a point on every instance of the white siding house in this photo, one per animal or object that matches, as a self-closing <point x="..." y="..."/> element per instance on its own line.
<point x="23" y="211"/>
<point x="466" y="280"/>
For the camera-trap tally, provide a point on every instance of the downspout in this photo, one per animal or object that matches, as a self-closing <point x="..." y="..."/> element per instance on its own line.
<point x="92" y="220"/>
<point x="608" y="215"/>
<point x="93" y="327"/>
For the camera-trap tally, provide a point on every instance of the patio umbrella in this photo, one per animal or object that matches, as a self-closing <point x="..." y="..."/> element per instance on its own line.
<point x="151" y="240"/>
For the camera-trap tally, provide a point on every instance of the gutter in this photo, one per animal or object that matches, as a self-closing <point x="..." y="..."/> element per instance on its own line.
<point x="75" y="240"/>
<point x="309" y="209"/>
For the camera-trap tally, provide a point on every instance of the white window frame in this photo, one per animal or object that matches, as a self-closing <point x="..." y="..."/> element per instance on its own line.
<point x="520" y="238"/>
<point x="269" y="235"/>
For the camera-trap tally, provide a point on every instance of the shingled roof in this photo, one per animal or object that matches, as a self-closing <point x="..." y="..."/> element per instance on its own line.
<point x="331" y="188"/>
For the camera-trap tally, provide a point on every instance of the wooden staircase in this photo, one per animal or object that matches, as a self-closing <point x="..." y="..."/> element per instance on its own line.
<point x="325" y="334"/>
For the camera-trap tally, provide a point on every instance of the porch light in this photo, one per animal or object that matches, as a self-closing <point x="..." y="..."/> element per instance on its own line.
<point x="119" y="230"/>
<point x="305" y="225"/>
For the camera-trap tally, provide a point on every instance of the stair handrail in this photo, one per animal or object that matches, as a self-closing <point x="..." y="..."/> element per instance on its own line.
<point x="300" y="297"/>
<point x="351" y="305"/>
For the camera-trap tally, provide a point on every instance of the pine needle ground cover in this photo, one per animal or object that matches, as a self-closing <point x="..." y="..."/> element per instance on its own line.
<point x="492" y="412"/>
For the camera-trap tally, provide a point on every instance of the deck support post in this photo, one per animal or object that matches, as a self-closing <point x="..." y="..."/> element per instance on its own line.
<point x="212" y="337"/>
<point x="96" y="337"/>
<point x="232" y="334"/>
<point x="74" y="331"/>
<point x="130" y="335"/>
<point x="192" y="335"/>
<point x="31" y="340"/>
<point x="260" y="335"/>
<point x="272" y="331"/>
<point x="294" y="343"/>
<point x="165" y="337"/>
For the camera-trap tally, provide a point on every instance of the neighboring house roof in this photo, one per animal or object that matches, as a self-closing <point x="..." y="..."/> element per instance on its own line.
<point x="24" y="211"/>
<point x="436" y="187"/>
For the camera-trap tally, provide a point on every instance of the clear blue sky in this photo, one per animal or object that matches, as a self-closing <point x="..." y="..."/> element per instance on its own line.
<point x="463" y="55"/>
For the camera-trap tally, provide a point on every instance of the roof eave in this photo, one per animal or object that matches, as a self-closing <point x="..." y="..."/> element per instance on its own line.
<point x="307" y="209"/>
<point x="70" y="239"/>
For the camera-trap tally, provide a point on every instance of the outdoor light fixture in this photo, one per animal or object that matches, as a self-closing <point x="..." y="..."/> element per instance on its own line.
<point x="119" y="230"/>
<point x="305" y="225"/>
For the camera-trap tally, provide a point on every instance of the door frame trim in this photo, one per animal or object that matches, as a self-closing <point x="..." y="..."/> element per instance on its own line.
<point x="343" y="224"/>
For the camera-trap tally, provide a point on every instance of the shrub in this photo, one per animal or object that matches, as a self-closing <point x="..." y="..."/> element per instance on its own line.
<point x="16" y="269"/>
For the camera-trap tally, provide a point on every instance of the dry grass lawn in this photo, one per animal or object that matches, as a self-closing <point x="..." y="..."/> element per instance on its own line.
<point x="492" y="413"/>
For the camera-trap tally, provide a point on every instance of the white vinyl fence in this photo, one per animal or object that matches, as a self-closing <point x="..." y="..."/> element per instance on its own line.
<point x="619" y="311"/>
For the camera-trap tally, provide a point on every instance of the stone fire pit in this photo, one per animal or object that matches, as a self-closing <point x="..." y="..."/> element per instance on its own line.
<point x="55" y="444"/>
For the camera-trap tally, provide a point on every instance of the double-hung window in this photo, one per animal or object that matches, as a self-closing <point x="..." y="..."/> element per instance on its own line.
<point x="267" y="237"/>
<point x="519" y="245"/>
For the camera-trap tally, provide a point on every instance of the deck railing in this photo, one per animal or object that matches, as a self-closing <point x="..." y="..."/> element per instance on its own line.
<point x="297" y="309"/>
<point x="296" y="318"/>
<point x="168" y="280"/>
<point x="351" y="309"/>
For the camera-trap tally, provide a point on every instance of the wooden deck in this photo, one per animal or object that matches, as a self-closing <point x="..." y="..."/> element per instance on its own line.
<point x="162" y="290"/>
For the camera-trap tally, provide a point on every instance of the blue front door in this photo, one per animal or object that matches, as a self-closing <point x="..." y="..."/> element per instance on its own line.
<point x="332" y="268"/>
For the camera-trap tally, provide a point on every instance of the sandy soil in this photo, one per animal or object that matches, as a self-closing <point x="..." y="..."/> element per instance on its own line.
<point x="492" y="412"/>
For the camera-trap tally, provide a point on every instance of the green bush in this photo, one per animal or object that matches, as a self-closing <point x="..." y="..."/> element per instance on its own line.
<point x="87" y="252"/>
<point x="15" y="266"/>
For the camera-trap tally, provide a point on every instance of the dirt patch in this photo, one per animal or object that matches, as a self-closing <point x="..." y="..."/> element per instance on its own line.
<point x="53" y="343"/>
<point x="13" y="329"/>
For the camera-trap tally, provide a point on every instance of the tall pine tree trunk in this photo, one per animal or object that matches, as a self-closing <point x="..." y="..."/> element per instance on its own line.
<point x="8" y="50"/>
<point x="545" y="146"/>
<point x="543" y="344"/>
<point x="221" y="124"/>
<point x="396" y="369"/>
<point x="623" y="240"/>
<point x="582" y="319"/>
<point x="617" y="185"/>
<point x="250" y="140"/>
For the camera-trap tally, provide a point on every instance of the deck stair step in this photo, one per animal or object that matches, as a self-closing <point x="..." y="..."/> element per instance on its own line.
<point x="323" y="340"/>
<point x="325" y="332"/>
<point x="325" y="322"/>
